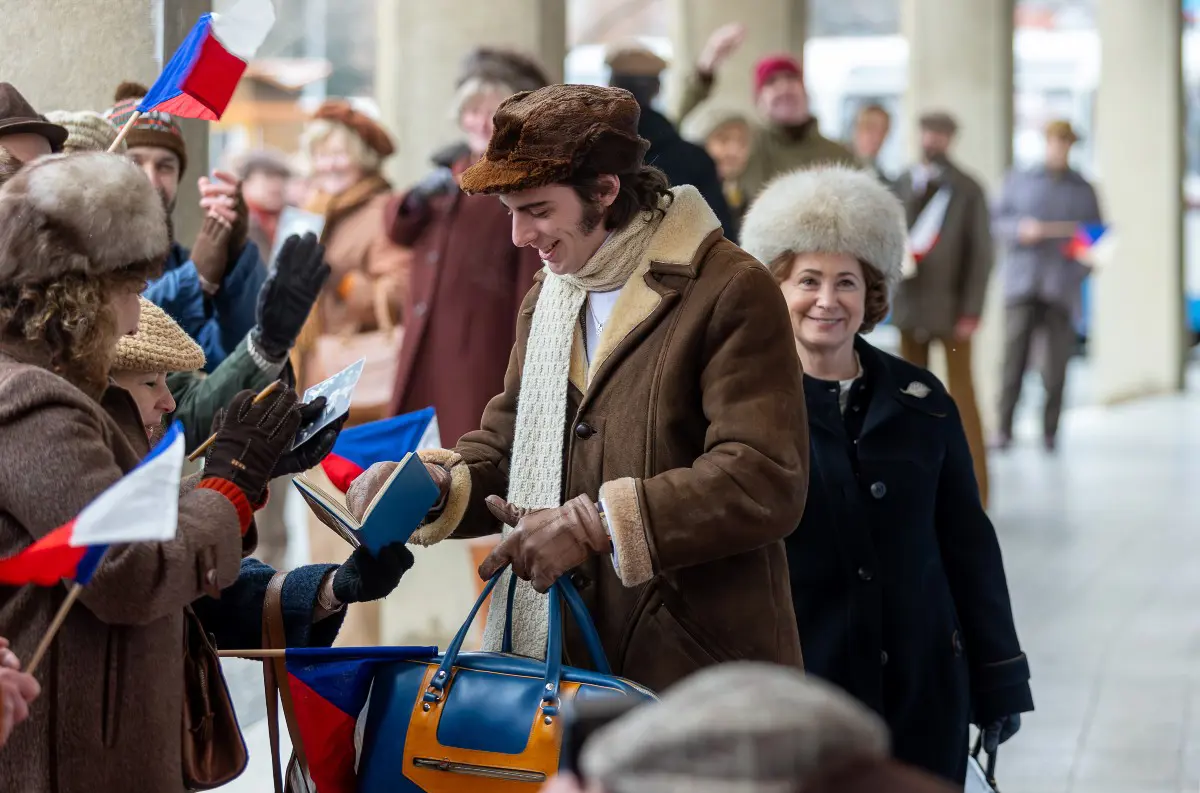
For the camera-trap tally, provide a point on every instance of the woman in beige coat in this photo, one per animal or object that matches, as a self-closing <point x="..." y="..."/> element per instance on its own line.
<point x="79" y="237"/>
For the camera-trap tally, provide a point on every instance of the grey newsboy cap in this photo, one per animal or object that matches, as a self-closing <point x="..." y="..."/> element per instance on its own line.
<point x="743" y="727"/>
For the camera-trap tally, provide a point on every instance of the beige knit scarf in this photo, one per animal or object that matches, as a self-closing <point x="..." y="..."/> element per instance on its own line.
<point x="536" y="461"/>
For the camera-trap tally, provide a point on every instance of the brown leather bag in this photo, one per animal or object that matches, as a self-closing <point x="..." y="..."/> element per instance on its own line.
<point x="214" y="751"/>
<point x="274" y="637"/>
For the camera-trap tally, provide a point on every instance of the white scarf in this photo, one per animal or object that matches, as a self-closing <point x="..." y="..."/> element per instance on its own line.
<point x="536" y="459"/>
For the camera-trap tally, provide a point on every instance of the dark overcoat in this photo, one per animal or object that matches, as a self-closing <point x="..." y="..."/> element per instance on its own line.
<point x="896" y="573"/>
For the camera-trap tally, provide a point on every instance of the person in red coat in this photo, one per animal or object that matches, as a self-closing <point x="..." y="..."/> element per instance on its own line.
<point x="467" y="277"/>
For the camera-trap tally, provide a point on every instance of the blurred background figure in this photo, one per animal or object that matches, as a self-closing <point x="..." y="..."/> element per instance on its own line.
<point x="468" y="279"/>
<point x="24" y="133"/>
<point x="951" y="241"/>
<point x="265" y="175"/>
<point x="871" y="128"/>
<point x="724" y="132"/>
<point x="636" y="69"/>
<point x="1037" y="214"/>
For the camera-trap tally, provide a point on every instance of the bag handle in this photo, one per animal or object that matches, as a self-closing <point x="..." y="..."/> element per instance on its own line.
<point x="991" y="760"/>
<point x="579" y="611"/>
<point x="563" y="587"/>
<point x="274" y="637"/>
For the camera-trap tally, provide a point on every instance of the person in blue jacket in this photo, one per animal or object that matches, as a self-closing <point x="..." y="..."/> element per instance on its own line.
<point x="212" y="289"/>
<point x="897" y="578"/>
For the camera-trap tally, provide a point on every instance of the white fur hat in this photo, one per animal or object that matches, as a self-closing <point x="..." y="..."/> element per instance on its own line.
<point x="831" y="209"/>
<point x="88" y="213"/>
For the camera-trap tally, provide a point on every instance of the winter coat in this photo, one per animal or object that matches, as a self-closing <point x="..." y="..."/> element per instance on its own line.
<point x="199" y="397"/>
<point x="693" y="421"/>
<point x="952" y="278"/>
<point x="109" y="716"/>
<point x="1043" y="271"/>
<point x="465" y="287"/>
<point x="685" y="163"/>
<point x="896" y="572"/>
<point x="217" y="323"/>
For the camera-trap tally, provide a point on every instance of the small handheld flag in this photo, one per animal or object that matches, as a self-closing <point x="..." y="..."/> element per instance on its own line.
<point x="141" y="507"/>
<point x="201" y="77"/>
<point x="1086" y="236"/>
<point x="358" y="448"/>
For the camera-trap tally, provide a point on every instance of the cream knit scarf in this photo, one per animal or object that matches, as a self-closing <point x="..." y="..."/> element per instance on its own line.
<point x="536" y="460"/>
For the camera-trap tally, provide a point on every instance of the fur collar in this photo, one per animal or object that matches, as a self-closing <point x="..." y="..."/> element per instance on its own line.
<point x="677" y="242"/>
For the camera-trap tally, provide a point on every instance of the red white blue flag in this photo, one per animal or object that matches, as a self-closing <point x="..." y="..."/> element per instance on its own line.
<point x="141" y="507"/>
<point x="1087" y="236"/>
<point x="201" y="77"/>
<point x="358" y="448"/>
<point x="329" y="687"/>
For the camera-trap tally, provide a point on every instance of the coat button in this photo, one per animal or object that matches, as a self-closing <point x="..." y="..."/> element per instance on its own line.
<point x="584" y="431"/>
<point x="883" y="658"/>
<point x="579" y="580"/>
<point x="879" y="490"/>
<point x="420" y="308"/>
<point x="865" y="574"/>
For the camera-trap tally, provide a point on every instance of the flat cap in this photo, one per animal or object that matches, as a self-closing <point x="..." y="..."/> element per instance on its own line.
<point x="939" y="121"/>
<point x="634" y="60"/>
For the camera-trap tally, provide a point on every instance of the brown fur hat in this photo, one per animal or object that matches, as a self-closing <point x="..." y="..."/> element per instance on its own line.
<point x="86" y="213"/>
<point x="515" y="69"/>
<point x="544" y="136"/>
<point x="342" y="112"/>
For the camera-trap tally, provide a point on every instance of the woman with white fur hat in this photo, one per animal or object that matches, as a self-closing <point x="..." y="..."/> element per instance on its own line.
<point x="897" y="579"/>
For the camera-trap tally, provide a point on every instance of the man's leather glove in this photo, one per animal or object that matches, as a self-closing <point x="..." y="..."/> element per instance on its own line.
<point x="1000" y="731"/>
<point x="547" y="542"/>
<point x="364" y="577"/>
<point x="439" y="181"/>
<point x="287" y="297"/>
<point x="209" y="254"/>
<point x="251" y="439"/>
<point x="310" y="453"/>
<point x="362" y="491"/>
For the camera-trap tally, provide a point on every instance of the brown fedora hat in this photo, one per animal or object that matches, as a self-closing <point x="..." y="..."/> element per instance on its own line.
<point x="18" y="116"/>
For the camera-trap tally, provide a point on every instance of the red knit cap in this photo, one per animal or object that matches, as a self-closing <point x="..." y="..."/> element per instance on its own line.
<point x="771" y="65"/>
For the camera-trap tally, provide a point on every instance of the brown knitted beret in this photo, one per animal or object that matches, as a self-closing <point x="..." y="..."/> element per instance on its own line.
<point x="160" y="346"/>
<point x="341" y="112"/>
<point x="544" y="136"/>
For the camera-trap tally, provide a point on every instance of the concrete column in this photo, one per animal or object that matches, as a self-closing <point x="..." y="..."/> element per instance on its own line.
<point x="1137" y="328"/>
<point x="960" y="61"/>
<point x="772" y="26"/>
<point x="72" y="54"/>
<point x="420" y="46"/>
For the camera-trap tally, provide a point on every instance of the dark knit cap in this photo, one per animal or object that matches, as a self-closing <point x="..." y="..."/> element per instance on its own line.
<point x="544" y="136"/>
<point x="151" y="129"/>
<point x="938" y="121"/>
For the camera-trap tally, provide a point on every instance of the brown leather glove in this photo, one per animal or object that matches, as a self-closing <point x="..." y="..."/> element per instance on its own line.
<point x="210" y="253"/>
<point x="364" y="488"/>
<point x="547" y="542"/>
<point x="251" y="439"/>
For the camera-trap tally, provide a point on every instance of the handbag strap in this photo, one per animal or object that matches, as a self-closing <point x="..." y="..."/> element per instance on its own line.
<point x="991" y="760"/>
<point x="274" y="637"/>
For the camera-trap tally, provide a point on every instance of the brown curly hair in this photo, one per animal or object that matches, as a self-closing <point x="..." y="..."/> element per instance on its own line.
<point x="640" y="191"/>
<point x="876" y="304"/>
<point x="72" y="320"/>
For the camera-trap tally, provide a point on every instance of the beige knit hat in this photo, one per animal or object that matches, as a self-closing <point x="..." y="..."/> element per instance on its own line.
<point x="160" y="346"/>
<point x="86" y="131"/>
<point x="744" y="727"/>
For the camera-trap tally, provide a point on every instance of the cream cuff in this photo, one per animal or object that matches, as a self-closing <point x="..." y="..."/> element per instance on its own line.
<point x="456" y="503"/>
<point x="631" y="549"/>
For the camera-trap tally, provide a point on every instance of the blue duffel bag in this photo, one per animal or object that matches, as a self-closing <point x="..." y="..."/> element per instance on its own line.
<point x="484" y="722"/>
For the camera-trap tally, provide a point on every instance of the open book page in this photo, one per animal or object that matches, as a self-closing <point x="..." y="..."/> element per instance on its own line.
<point x="329" y="510"/>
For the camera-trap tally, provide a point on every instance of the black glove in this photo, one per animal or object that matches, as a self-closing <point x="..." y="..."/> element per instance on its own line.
<point x="288" y="295"/>
<point x="310" y="453"/>
<point x="250" y="440"/>
<point x="437" y="182"/>
<point x="1000" y="731"/>
<point x="364" y="577"/>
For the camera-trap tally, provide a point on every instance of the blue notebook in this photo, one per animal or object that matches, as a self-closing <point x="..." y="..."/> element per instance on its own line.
<point x="397" y="510"/>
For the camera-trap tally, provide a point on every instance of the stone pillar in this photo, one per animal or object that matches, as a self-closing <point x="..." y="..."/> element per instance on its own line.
<point x="420" y="46"/>
<point x="960" y="61"/>
<point x="772" y="26"/>
<point x="1137" y="336"/>
<point x="72" y="54"/>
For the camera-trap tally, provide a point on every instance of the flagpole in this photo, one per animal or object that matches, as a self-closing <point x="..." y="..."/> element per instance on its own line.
<point x="125" y="130"/>
<point x="52" y="631"/>
<point x="252" y="653"/>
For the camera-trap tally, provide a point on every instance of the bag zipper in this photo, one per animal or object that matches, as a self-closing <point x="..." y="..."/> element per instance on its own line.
<point x="490" y="772"/>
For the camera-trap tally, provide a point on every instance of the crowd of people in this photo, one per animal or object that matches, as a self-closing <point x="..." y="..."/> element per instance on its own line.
<point x="646" y="340"/>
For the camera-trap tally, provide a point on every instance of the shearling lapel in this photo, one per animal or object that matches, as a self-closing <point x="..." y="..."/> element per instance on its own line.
<point x="644" y="301"/>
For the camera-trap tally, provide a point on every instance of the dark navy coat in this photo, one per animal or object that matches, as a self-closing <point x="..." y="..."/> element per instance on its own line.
<point x="235" y="619"/>
<point x="896" y="573"/>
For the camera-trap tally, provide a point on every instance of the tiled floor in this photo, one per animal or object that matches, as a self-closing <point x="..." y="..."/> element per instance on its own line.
<point x="1102" y="549"/>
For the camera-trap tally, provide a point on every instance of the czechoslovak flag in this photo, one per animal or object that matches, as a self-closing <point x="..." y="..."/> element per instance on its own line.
<point x="204" y="72"/>
<point x="358" y="448"/>
<point x="141" y="507"/>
